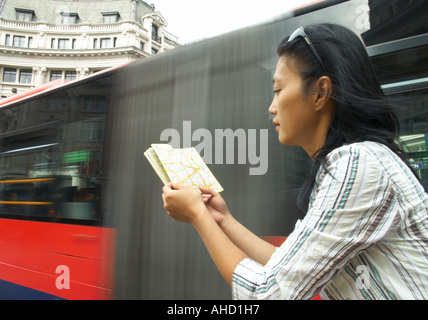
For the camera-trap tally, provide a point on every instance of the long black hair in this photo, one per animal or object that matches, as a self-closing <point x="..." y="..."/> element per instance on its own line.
<point x="362" y="113"/>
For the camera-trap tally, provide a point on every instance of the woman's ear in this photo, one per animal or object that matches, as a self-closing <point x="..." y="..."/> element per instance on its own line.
<point x="324" y="89"/>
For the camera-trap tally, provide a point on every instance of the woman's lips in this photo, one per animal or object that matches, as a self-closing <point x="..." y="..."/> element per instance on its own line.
<point x="276" y="124"/>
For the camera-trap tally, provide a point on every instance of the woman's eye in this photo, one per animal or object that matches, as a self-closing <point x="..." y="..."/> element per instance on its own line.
<point x="276" y="91"/>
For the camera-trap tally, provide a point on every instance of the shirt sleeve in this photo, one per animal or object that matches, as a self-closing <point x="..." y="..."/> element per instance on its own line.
<point x="350" y="211"/>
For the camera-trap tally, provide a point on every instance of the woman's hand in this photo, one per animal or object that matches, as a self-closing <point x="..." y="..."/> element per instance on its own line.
<point x="226" y="239"/>
<point x="183" y="203"/>
<point x="205" y="212"/>
<point x="216" y="205"/>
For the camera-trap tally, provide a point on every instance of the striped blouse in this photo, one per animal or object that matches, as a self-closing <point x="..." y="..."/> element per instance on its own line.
<point x="365" y="235"/>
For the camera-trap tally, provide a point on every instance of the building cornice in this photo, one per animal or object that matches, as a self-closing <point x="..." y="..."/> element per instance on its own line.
<point x="74" y="53"/>
<point x="70" y="29"/>
<point x="84" y="29"/>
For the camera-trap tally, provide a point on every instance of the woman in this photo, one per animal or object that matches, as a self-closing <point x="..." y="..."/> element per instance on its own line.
<point x="365" y="233"/>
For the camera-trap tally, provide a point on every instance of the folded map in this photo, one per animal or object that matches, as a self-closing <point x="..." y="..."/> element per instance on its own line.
<point x="181" y="165"/>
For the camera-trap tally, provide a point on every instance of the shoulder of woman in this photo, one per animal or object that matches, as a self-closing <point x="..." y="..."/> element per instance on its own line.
<point x="366" y="150"/>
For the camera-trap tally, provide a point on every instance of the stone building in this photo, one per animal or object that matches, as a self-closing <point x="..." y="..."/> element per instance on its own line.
<point x="45" y="40"/>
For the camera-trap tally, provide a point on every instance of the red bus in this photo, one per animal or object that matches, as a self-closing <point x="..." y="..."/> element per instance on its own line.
<point x="53" y="245"/>
<point x="50" y="196"/>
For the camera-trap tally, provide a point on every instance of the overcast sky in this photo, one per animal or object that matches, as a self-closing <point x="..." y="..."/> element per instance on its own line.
<point x="193" y="20"/>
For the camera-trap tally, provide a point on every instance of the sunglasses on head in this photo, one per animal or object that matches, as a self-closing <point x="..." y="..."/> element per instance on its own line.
<point x="300" y="32"/>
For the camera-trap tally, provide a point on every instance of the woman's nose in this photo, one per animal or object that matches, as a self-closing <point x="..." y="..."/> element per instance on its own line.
<point x="272" y="108"/>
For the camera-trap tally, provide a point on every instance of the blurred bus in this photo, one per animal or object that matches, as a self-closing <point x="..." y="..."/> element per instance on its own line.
<point x="81" y="215"/>
<point x="53" y="243"/>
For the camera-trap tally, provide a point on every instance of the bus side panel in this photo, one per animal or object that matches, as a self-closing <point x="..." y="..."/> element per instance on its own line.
<point x="45" y="256"/>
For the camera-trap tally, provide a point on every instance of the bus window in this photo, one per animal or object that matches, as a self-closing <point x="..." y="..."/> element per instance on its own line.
<point x="412" y="108"/>
<point x="401" y="67"/>
<point x="51" y="155"/>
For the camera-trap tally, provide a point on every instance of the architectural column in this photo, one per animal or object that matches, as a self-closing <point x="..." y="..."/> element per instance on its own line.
<point x="84" y="41"/>
<point x="147" y="24"/>
<point x="40" y="41"/>
<point x="39" y="75"/>
<point x="134" y="9"/>
<point x="129" y="38"/>
<point x="162" y="35"/>
<point x="82" y="72"/>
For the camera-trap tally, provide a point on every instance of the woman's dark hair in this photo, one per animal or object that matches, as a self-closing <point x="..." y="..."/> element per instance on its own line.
<point x="362" y="112"/>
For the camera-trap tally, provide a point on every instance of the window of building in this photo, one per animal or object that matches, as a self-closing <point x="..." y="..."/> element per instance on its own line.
<point x="55" y="102"/>
<point x="95" y="43"/>
<point x="110" y="17"/>
<point x="24" y="14"/>
<point x="55" y="75"/>
<point x="69" y="17"/>
<point x="9" y="75"/>
<point x="92" y="130"/>
<point x="25" y="75"/>
<point x="30" y="42"/>
<point x="70" y="75"/>
<point x="95" y="103"/>
<point x="154" y="51"/>
<point x="63" y="43"/>
<point x="19" y="41"/>
<point x="155" y="33"/>
<point x="7" y="40"/>
<point x="105" y="43"/>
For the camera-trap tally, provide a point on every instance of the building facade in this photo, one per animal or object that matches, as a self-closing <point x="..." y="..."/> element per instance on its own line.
<point x="46" y="40"/>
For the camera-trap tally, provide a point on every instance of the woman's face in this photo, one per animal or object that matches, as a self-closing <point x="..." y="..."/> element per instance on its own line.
<point x="295" y="117"/>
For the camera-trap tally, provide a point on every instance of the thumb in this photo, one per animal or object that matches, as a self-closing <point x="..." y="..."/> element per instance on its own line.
<point x="209" y="191"/>
<point x="176" y="185"/>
